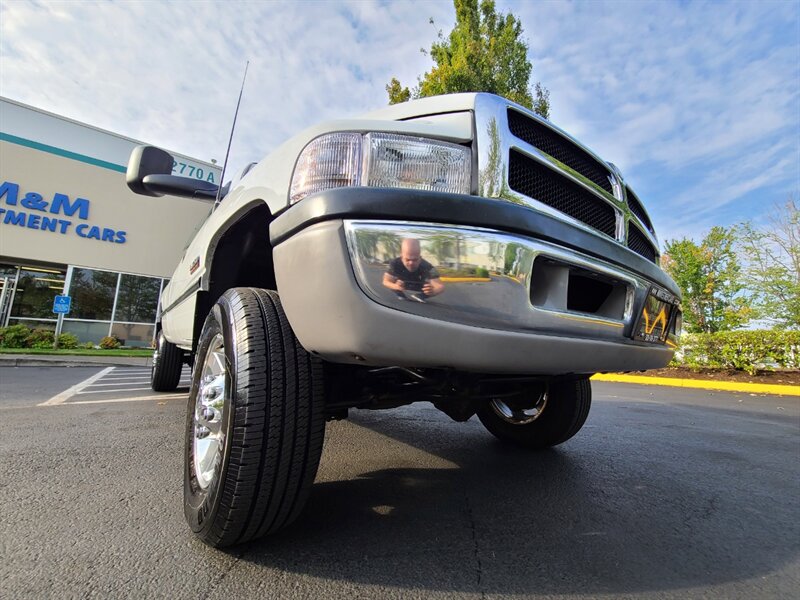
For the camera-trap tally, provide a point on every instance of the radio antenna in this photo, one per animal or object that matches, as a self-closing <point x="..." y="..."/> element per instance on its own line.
<point x="230" y="139"/>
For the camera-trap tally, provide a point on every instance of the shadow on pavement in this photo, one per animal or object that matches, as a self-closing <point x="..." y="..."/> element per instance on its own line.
<point x="605" y="513"/>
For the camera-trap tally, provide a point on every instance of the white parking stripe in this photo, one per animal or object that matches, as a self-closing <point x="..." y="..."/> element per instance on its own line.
<point x="121" y="376"/>
<point x="130" y="374"/>
<point x="135" y="389"/>
<point x="124" y="374"/>
<point x="126" y="381"/>
<point x="136" y="399"/>
<point x="75" y="389"/>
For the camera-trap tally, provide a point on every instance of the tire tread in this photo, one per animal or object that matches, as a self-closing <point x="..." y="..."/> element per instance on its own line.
<point x="568" y="407"/>
<point x="166" y="373"/>
<point x="278" y="424"/>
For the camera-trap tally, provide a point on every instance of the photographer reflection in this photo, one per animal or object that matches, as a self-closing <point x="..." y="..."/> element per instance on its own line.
<point x="411" y="276"/>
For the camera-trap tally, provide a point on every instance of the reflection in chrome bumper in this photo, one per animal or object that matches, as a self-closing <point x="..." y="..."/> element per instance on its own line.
<point x="500" y="281"/>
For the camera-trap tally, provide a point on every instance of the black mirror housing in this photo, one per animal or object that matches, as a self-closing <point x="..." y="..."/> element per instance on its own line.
<point x="144" y="161"/>
<point x="150" y="174"/>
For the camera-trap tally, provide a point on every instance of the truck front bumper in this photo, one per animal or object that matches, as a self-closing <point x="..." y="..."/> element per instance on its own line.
<point x="511" y="303"/>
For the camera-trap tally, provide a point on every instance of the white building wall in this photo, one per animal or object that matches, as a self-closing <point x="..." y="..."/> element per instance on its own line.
<point x="44" y="157"/>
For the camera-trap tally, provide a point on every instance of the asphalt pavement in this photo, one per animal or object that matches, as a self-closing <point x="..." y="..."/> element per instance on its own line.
<point x="665" y="493"/>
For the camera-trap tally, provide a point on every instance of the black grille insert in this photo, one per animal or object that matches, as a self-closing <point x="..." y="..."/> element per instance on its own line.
<point x="639" y="244"/>
<point x="541" y="183"/>
<point x="636" y="208"/>
<point x="551" y="143"/>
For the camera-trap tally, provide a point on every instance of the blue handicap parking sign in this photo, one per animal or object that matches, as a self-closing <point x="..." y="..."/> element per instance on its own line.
<point x="61" y="304"/>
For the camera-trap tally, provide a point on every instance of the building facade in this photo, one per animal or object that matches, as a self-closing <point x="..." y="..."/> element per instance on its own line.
<point x="69" y="225"/>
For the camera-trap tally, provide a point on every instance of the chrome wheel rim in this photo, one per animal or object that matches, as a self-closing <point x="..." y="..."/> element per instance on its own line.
<point x="209" y="439"/>
<point x="517" y="414"/>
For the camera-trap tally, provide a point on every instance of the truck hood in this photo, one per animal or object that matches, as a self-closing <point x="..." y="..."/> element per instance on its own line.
<point x="425" y="106"/>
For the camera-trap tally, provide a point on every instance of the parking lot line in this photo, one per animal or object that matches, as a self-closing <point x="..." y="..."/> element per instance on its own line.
<point x="134" y="389"/>
<point x="122" y="382"/>
<point x="123" y="375"/>
<point x="136" y="399"/>
<point x="75" y="389"/>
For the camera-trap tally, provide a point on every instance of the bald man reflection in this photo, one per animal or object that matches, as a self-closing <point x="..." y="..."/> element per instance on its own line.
<point x="411" y="276"/>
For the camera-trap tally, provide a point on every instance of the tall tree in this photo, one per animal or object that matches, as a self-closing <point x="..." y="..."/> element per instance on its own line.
<point x="710" y="278"/>
<point x="485" y="52"/>
<point x="772" y="255"/>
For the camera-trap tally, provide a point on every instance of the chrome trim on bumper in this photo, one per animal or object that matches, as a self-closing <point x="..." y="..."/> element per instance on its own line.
<point x="487" y="279"/>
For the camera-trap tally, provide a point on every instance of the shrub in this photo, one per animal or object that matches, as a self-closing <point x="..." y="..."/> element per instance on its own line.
<point x="87" y="346"/>
<point x="481" y="272"/>
<point x="40" y="338"/>
<point x="741" y="350"/>
<point x="15" y="336"/>
<point x="109" y="343"/>
<point x="68" y="341"/>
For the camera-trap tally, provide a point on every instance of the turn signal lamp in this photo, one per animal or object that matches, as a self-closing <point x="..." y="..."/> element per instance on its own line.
<point x="330" y="161"/>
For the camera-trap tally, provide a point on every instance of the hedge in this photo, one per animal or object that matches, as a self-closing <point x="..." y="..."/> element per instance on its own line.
<point x="742" y="350"/>
<point x="20" y="336"/>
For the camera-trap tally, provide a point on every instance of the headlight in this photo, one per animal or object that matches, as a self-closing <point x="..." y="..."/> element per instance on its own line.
<point x="389" y="160"/>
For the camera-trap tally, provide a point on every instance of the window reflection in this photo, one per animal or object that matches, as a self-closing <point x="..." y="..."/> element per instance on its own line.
<point x="134" y="335"/>
<point x="87" y="331"/>
<point x="31" y="324"/>
<point x="137" y="299"/>
<point x="35" y="291"/>
<point x="92" y="294"/>
<point x="103" y="302"/>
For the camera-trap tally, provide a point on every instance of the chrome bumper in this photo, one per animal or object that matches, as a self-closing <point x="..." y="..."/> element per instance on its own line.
<point x="513" y="320"/>
<point x="497" y="280"/>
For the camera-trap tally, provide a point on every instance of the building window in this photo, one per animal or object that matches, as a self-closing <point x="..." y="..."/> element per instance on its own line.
<point x="34" y="324"/>
<point x="103" y="302"/>
<point x="137" y="299"/>
<point x="134" y="335"/>
<point x="34" y="293"/>
<point x="92" y="294"/>
<point x="87" y="331"/>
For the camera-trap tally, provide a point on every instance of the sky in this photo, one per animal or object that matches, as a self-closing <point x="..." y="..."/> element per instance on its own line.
<point x="698" y="103"/>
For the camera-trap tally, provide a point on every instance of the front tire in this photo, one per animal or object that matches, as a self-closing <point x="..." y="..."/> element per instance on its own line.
<point x="255" y="422"/>
<point x="167" y="365"/>
<point x="544" y="421"/>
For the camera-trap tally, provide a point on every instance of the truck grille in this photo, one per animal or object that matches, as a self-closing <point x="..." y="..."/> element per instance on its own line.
<point x="548" y="141"/>
<point x="639" y="244"/>
<point x="636" y="208"/>
<point x="532" y="179"/>
<point x="522" y="159"/>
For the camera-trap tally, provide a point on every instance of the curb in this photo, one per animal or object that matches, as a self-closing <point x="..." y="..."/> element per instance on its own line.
<point x="703" y="384"/>
<point x="43" y="361"/>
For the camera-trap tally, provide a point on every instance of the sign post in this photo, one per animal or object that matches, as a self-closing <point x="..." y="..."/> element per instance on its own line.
<point x="61" y="306"/>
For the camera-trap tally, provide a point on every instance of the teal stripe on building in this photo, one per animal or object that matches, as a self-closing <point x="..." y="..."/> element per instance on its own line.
<point x="6" y="137"/>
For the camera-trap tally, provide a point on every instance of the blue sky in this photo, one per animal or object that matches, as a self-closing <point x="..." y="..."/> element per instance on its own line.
<point x="697" y="102"/>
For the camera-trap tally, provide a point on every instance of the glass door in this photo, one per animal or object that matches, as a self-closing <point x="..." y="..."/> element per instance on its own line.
<point x="8" y="283"/>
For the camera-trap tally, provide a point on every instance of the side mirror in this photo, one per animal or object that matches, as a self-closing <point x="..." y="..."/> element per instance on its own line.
<point x="150" y="174"/>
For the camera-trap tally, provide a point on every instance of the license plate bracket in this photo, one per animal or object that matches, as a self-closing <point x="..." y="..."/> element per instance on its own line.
<point x="655" y="319"/>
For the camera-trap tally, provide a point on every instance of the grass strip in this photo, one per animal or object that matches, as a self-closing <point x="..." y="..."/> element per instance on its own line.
<point x="135" y="352"/>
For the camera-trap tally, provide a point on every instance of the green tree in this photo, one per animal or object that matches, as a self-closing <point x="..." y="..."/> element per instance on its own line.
<point x="397" y="93"/>
<point x="710" y="278"/>
<point x="485" y="52"/>
<point x="772" y="255"/>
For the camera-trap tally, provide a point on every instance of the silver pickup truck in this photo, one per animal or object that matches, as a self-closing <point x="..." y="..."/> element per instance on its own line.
<point x="456" y="249"/>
